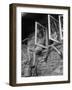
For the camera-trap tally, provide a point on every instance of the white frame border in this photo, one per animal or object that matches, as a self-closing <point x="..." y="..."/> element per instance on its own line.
<point x="19" y="79"/>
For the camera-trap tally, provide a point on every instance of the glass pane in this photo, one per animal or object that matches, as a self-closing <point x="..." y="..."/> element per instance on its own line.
<point x="41" y="35"/>
<point x="61" y="19"/>
<point x="54" y="29"/>
<point x="61" y="26"/>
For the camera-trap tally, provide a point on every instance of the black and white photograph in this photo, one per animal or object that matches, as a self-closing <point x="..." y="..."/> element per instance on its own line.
<point x="45" y="57"/>
<point x="40" y="41"/>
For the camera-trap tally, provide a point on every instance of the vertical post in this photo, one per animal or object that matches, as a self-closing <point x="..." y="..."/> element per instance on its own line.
<point x="49" y="26"/>
<point x="60" y="27"/>
<point x="35" y="32"/>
